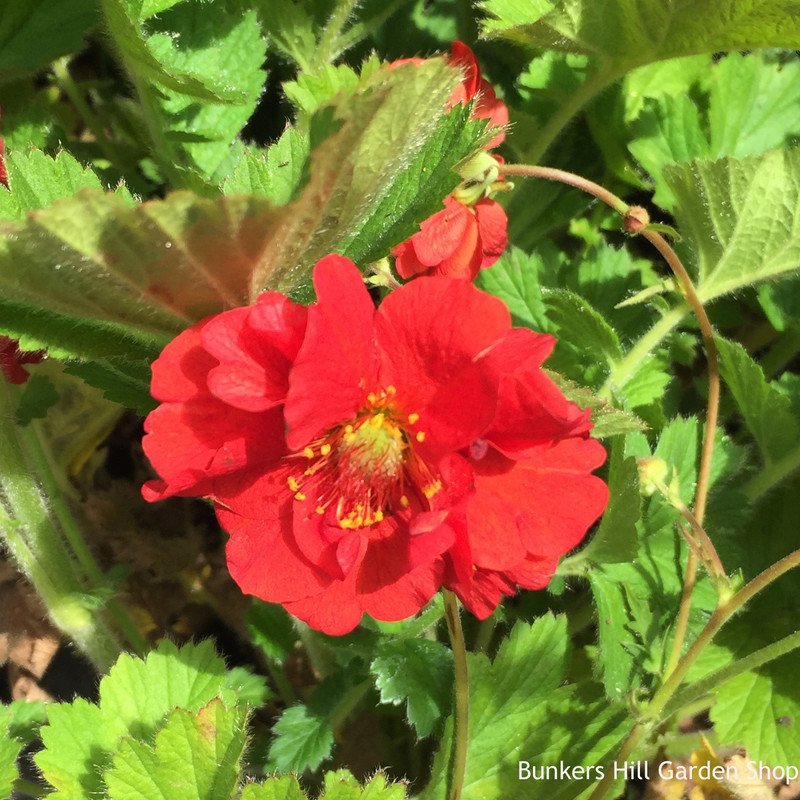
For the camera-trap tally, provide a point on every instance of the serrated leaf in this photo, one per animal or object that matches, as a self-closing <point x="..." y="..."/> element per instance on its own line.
<point x="123" y="381"/>
<point x="9" y="750"/>
<point x="135" y="697"/>
<point x="216" y="44"/>
<point x="38" y="395"/>
<point x="196" y="757"/>
<point x="250" y="688"/>
<point x="740" y="217"/>
<point x="419" y="673"/>
<point x="276" y="173"/>
<point x="272" y="629"/>
<point x="514" y="278"/>
<point x="616" y="539"/>
<point x="101" y="278"/>
<point x="757" y="724"/>
<point x="309" y="92"/>
<point x="305" y="740"/>
<point x="629" y="33"/>
<point x="284" y="787"/>
<point x="648" y="382"/>
<point x="160" y="60"/>
<point x="767" y="411"/>
<point x="386" y="169"/>
<point x="606" y="420"/>
<point x="36" y="181"/>
<point x="519" y="711"/>
<point x="291" y="29"/>
<point x="34" y="34"/>
<point x="22" y="718"/>
<point x="580" y="325"/>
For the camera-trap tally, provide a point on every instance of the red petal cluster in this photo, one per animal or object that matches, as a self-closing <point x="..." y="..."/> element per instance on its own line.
<point x="461" y="239"/>
<point x="362" y="459"/>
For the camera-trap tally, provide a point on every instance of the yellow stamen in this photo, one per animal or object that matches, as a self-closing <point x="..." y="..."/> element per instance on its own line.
<point x="293" y="484"/>
<point x="413" y="419"/>
<point x="299" y="496"/>
<point x="420" y="437"/>
<point x="308" y="452"/>
<point x="325" y="449"/>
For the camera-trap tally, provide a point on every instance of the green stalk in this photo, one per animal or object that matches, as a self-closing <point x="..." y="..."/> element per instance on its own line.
<point x="329" y="44"/>
<point x="33" y="535"/>
<point x="458" y="759"/>
<point x="772" y="474"/>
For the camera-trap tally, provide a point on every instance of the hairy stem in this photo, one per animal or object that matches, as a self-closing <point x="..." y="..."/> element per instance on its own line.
<point x="458" y="760"/>
<point x="658" y="706"/>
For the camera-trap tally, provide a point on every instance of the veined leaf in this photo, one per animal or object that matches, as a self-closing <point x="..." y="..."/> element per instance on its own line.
<point x="629" y="33"/>
<point x="742" y="218"/>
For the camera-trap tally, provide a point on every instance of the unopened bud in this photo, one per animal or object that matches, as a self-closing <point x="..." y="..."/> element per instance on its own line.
<point x="635" y="219"/>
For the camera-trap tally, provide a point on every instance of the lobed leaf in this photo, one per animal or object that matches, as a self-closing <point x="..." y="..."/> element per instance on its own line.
<point x="196" y="757"/>
<point x="416" y="672"/>
<point x="624" y="34"/>
<point x="740" y="218"/>
<point x="305" y="740"/>
<point x="520" y="711"/>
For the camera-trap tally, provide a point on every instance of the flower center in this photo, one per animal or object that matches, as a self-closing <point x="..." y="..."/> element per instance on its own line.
<point x="362" y="469"/>
<point x="480" y="177"/>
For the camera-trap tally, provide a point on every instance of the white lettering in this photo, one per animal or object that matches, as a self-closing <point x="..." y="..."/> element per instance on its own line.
<point x="524" y="770"/>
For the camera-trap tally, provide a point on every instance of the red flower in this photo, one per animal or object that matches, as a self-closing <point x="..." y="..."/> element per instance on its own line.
<point x="12" y="359"/>
<point x="361" y="459"/>
<point x="470" y="232"/>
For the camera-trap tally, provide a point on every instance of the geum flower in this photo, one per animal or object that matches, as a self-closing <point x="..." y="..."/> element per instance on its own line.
<point x="470" y="232"/>
<point x="362" y="459"/>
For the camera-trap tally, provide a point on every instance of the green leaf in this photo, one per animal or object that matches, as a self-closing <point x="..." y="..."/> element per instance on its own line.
<point x="767" y="411"/>
<point x="520" y="711"/>
<point x="215" y="44"/>
<point x="9" y="750"/>
<point x="135" y="697"/>
<point x="339" y="785"/>
<point x="628" y="33"/>
<point x="305" y="740"/>
<point x="752" y="107"/>
<point x="309" y="92"/>
<point x="616" y="539"/>
<point x="38" y="395"/>
<point x="514" y="278"/>
<point x="250" y="688"/>
<point x="284" y="787"/>
<point x="163" y="61"/>
<point x="196" y="757"/>
<point x="290" y="28"/>
<point x="276" y="173"/>
<point x="740" y="218"/>
<point x="577" y="323"/>
<point x="386" y="169"/>
<point x="36" y="181"/>
<point x="92" y="277"/>
<point x="123" y="381"/>
<point x="34" y="34"/>
<point x="606" y="420"/>
<point x="419" y="673"/>
<point x="272" y="629"/>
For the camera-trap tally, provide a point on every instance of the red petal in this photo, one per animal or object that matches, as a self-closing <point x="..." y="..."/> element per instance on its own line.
<point x="549" y="500"/>
<point x="430" y="334"/>
<point x="180" y="372"/>
<point x="406" y="262"/>
<point x="335" y="367"/>
<point x="463" y="57"/>
<point x="263" y="557"/>
<point x="254" y="346"/>
<point x="443" y="233"/>
<point x="492" y="226"/>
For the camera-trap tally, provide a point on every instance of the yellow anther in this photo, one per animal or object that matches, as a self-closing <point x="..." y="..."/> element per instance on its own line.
<point x="404" y="501"/>
<point x="348" y="428"/>
<point x="349" y="437"/>
<point x="372" y="398"/>
<point x="299" y="496"/>
<point x="320" y="510"/>
<point x="325" y="449"/>
<point x="308" y="452"/>
<point x="413" y="419"/>
<point x="420" y="437"/>
<point x="293" y="484"/>
<point x="430" y="490"/>
<point x="378" y="516"/>
<point x="390" y="390"/>
<point x="377" y="421"/>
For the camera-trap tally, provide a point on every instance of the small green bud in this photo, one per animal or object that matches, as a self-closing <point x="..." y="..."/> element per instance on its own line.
<point x="652" y="474"/>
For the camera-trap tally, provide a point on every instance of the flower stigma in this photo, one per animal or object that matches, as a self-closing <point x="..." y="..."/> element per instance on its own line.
<point x="364" y="468"/>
